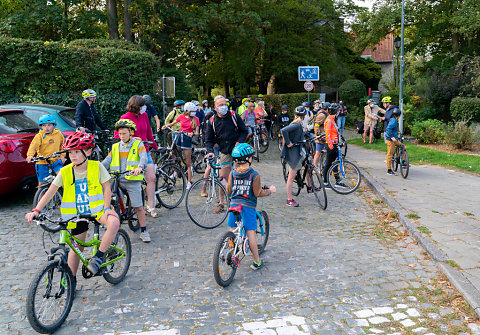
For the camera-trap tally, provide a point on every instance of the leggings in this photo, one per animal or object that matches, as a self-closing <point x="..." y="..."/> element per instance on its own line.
<point x="330" y="158"/>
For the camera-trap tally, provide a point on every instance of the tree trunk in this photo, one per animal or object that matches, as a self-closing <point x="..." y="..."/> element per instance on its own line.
<point x="127" y="21"/>
<point x="112" y="20"/>
<point x="455" y="41"/>
<point x="271" y="85"/>
<point x="226" y="89"/>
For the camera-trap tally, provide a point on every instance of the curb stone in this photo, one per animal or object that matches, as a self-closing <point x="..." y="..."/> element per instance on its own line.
<point x="458" y="280"/>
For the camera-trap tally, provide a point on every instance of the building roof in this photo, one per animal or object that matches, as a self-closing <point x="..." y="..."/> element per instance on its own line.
<point x="382" y="52"/>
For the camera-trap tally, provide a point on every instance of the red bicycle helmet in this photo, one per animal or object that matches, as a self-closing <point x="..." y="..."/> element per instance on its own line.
<point x="79" y="141"/>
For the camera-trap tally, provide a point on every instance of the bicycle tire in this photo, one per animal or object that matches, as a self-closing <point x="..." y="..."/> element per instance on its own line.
<point x="170" y="185"/>
<point x="65" y="294"/>
<point x="222" y="256"/>
<point x="298" y="181"/>
<point x="284" y="169"/>
<point x="131" y="214"/>
<point x="280" y="142"/>
<point x="395" y="159"/>
<point x="52" y="208"/>
<point x="200" y="209"/>
<point x="262" y="239"/>
<point x="318" y="188"/>
<point x="404" y="163"/>
<point x="350" y="177"/>
<point x="113" y="253"/>
<point x="263" y="142"/>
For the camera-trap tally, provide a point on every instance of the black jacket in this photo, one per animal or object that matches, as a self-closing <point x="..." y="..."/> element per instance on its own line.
<point x="226" y="134"/>
<point x="86" y="116"/>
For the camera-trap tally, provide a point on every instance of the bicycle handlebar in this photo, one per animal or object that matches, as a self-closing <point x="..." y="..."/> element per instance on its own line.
<point x="42" y="158"/>
<point x="61" y="224"/>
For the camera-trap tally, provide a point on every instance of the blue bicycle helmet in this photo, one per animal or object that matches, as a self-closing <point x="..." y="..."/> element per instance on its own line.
<point x="305" y="104"/>
<point x="242" y="152"/>
<point x="47" y="119"/>
<point x="178" y="103"/>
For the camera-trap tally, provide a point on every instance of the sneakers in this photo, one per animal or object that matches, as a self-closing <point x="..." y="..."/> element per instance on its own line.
<point x="94" y="264"/>
<point x="292" y="203"/>
<point x="145" y="236"/>
<point x="256" y="266"/>
<point x="340" y="184"/>
<point x="189" y="185"/>
<point x="326" y="185"/>
<point x="220" y="208"/>
<point x="390" y="173"/>
<point x="203" y="193"/>
<point x="310" y="189"/>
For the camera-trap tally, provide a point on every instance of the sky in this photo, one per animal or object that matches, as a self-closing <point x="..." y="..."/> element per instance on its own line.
<point x="365" y="3"/>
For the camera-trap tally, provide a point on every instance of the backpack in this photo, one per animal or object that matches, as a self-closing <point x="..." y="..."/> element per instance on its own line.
<point x="234" y="120"/>
<point x="311" y="122"/>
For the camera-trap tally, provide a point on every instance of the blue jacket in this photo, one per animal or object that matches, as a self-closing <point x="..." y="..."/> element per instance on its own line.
<point x="392" y="129"/>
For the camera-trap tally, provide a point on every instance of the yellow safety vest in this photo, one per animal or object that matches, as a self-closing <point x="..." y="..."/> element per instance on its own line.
<point x="68" y="208"/>
<point x="133" y="160"/>
<point x="242" y="109"/>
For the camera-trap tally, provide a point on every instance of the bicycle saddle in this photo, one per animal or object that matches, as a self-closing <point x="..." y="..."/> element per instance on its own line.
<point x="236" y="209"/>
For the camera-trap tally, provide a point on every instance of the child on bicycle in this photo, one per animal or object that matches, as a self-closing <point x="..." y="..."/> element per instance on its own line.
<point x="86" y="190"/>
<point x="130" y="155"/>
<point x="245" y="187"/>
<point x="189" y="126"/>
<point x="391" y="137"/>
<point x="48" y="140"/>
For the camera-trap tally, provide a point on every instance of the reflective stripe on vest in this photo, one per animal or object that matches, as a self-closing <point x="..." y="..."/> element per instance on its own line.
<point x="68" y="208"/>
<point x="133" y="160"/>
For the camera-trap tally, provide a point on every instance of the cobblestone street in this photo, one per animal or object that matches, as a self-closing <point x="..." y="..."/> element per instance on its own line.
<point x="327" y="272"/>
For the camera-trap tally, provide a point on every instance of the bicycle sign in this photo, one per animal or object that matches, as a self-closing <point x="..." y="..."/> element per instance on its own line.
<point x="308" y="73"/>
<point x="308" y="86"/>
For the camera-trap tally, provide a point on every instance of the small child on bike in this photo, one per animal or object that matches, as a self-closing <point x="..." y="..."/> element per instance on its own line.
<point x="86" y="190"/>
<point x="245" y="187"/>
<point x="48" y="140"/>
<point x="391" y="137"/>
<point x="189" y="125"/>
<point x="249" y="117"/>
<point x="130" y="155"/>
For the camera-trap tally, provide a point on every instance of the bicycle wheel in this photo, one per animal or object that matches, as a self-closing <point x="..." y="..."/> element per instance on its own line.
<point x="171" y="185"/>
<point x="284" y="169"/>
<point x="201" y="208"/>
<point x="116" y="272"/>
<point x="298" y="182"/>
<point x="224" y="267"/>
<point x="344" y="178"/>
<point x="395" y="159"/>
<point x="344" y="147"/>
<point x="318" y="188"/>
<point x="264" y="142"/>
<point x="262" y="239"/>
<point x="127" y="214"/>
<point x="52" y="208"/>
<point x="404" y="162"/>
<point x="50" y="297"/>
<point x="279" y="141"/>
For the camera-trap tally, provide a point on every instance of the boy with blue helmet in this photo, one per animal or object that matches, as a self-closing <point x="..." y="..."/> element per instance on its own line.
<point x="48" y="140"/>
<point x="245" y="187"/>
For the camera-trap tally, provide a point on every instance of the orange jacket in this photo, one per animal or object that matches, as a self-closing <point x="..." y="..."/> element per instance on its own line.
<point x="331" y="133"/>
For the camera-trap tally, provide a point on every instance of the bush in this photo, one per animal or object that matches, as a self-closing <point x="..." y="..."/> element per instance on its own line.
<point x="98" y="43"/>
<point x="292" y="100"/>
<point x="351" y="91"/>
<point x="465" y="109"/>
<point x="429" y="131"/>
<point x="412" y="116"/>
<point x="460" y="135"/>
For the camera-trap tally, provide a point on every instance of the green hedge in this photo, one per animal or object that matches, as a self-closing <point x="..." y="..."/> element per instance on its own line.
<point x="465" y="109"/>
<point x="351" y="91"/>
<point x="292" y="100"/>
<point x="97" y="43"/>
<point x="429" y="131"/>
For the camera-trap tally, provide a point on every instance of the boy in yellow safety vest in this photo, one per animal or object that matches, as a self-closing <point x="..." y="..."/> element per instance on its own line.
<point x="86" y="190"/>
<point x="130" y="155"/>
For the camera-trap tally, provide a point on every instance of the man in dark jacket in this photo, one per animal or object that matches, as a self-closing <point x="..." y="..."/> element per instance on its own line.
<point x="227" y="130"/>
<point x="86" y="118"/>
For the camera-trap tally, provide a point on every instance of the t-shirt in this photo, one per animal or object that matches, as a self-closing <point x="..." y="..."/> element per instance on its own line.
<point x="283" y="119"/>
<point x="186" y="123"/>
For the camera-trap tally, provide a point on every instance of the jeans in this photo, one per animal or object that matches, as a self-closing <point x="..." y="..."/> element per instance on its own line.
<point x="341" y="124"/>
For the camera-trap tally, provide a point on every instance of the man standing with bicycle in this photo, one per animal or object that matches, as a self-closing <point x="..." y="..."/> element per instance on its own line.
<point x="391" y="137"/>
<point x="331" y="136"/>
<point x="86" y="117"/>
<point x="226" y="129"/>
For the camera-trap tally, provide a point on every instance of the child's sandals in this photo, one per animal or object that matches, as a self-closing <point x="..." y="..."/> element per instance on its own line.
<point x="151" y="211"/>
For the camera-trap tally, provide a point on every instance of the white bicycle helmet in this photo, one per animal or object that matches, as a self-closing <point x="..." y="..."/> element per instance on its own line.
<point x="190" y="107"/>
<point x="89" y="94"/>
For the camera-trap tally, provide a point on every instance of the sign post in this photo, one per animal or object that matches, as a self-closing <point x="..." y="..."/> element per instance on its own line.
<point x="308" y="74"/>
<point x="308" y="85"/>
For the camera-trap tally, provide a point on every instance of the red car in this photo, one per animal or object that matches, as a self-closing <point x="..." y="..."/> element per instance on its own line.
<point x="16" y="133"/>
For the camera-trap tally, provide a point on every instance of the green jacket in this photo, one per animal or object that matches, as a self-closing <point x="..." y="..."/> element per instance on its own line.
<point x="172" y="116"/>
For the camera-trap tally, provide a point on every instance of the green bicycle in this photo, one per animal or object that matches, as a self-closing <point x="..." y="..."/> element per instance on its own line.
<point x="51" y="292"/>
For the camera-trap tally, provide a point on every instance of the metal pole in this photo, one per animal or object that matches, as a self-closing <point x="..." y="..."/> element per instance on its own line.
<point x="308" y="94"/>
<point x="397" y="70"/>
<point x="402" y="62"/>
<point x="164" y="107"/>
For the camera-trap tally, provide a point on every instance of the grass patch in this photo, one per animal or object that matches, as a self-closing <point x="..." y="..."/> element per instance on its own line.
<point x="452" y="263"/>
<point x="424" y="230"/>
<point x="422" y="155"/>
<point x="434" y="211"/>
<point x="467" y="214"/>
<point x="377" y="201"/>
<point x="413" y="216"/>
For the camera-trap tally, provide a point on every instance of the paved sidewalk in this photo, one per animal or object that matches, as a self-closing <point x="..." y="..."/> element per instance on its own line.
<point x="447" y="203"/>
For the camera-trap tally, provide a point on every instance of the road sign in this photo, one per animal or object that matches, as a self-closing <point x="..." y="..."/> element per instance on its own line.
<point x="168" y="90"/>
<point x="308" y="86"/>
<point x="323" y="97"/>
<point x="308" y="73"/>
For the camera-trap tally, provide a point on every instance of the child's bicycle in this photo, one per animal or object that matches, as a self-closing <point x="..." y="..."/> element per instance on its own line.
<point x="53" y="206"/>
<point x="400" y="158"/>
<point x="121" y="202"/>
<point x="232" y="246"/>
<point x="51" y="292"/>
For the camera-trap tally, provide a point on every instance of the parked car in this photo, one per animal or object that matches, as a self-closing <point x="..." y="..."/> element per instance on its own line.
<point x="65" y="116"/>
<point x="16" y="133"/>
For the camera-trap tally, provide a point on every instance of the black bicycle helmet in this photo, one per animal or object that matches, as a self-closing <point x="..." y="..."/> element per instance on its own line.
<point x="300" y="111"/>
<point x="333" y="108"/>
<point x="305" y="104"/>
<point x="285" y="107"/>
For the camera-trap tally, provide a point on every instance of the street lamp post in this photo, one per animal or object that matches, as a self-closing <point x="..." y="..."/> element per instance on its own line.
<point x="402" y="62"/>
<point x="398" y="43"/>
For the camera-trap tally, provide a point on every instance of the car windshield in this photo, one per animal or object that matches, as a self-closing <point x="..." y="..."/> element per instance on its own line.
<point x="68" y="115"/>
<point x="14" y="122"/>
<point x="35" y="114"/>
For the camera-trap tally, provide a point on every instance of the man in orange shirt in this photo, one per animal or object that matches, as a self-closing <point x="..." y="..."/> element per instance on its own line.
<point x="331" y="136"/>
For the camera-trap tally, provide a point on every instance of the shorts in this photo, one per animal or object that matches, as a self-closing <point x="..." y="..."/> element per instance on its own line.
<point x="249" y="218"/>
<point x="224" y="158"/>
<point x="319" y="146"/>
<point x="82" y="226"/>
<point x="134" y="189"/>
<point x="298" y="166"/>
<point x="149" y="156"/>
<point x="183" y="141"/>
<point x="42" y="169"/>
<point x="250" y="129"/>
